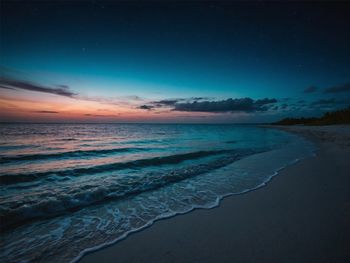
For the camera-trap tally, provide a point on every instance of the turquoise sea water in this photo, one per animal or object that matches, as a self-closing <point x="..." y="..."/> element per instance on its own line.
<point x="67" y="189"/>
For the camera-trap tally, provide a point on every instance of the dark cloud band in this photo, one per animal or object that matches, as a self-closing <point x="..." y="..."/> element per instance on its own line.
<point x="7" y="83"/>
<point x="146" y="107"/>
<point x="229" y="105"/>
<point x="46" y="111"/>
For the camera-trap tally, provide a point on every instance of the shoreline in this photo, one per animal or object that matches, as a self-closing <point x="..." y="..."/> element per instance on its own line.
<point x="149" y="244"/>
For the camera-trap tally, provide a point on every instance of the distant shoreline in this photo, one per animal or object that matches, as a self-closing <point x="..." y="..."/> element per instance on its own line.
<point x="330" y="118"/>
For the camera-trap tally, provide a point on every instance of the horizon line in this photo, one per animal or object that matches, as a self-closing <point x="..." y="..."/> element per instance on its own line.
<point x="191" y="123"/>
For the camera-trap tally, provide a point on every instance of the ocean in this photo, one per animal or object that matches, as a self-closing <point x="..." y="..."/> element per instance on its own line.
<point x="68" y="189"/>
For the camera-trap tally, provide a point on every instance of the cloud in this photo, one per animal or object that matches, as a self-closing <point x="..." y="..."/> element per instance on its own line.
<point x="199" y="104"/>
<point x="310" y="89"/>
<point x="172" y="102"/>
<point x="101" y="115"/>
<point x="12" y="83"/>
<point x="146" y="107"/>
<point x="340" y="88"/>
<point x="4" y="87"/>
<point x="169" y="102"/>
<point x="61" y="90"/>
<point x="46" y="111"/>
<point x="229" y="105"/>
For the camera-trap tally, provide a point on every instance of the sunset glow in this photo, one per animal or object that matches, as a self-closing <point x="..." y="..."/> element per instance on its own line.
<point x="103" y="67"/>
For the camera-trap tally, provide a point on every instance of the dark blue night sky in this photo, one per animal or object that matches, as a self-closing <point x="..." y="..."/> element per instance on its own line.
<point x="174" y="61"/>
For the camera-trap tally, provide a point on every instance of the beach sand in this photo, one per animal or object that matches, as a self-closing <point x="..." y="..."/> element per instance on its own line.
<point x="302" y="215"/>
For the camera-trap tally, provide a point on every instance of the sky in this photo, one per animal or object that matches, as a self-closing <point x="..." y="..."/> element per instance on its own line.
<point x="167" y="61"/>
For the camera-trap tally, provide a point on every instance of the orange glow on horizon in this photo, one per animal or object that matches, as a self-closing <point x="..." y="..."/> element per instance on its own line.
<point x="38" y="107"/>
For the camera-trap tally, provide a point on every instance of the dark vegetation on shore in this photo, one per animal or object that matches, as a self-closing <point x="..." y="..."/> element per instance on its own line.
<point x="334" y="117"/>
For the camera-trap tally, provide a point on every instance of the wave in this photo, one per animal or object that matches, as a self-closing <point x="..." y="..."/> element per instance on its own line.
<point x="60" y="203"/>
<point x="171" y="159"/>
<point x="194" y="206"/>
<point x="70" y="154"/>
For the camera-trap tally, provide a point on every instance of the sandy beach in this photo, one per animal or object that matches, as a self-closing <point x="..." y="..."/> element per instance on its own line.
<point x="302" y="215"/>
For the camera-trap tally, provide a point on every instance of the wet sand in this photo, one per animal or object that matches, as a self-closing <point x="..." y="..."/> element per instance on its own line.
<point x="302" y="215"/>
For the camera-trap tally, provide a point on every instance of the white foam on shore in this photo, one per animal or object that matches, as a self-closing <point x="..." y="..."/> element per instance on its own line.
<point x="264" y="166"/>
